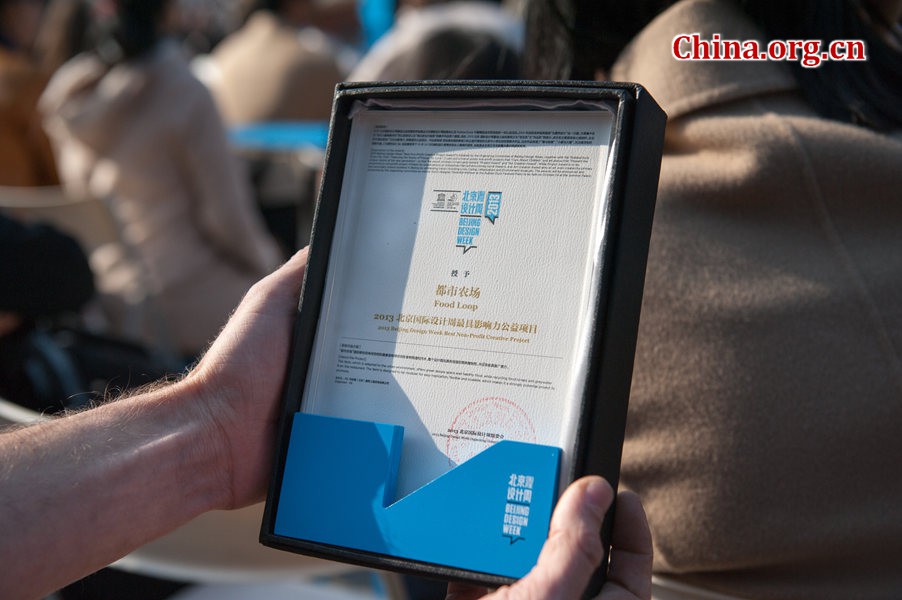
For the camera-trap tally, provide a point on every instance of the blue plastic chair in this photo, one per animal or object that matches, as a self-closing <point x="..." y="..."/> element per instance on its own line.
<point x="376" y="17"/>
<point x="280" y="135"/>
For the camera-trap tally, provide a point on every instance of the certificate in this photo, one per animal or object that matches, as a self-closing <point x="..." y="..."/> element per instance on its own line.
<point x="460" y="279"/>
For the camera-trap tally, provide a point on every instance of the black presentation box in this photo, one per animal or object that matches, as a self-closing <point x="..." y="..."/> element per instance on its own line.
<point x="465" y="337"/>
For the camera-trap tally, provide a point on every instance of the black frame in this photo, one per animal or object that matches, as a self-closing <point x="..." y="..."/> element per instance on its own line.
<point x="634" y="160"/>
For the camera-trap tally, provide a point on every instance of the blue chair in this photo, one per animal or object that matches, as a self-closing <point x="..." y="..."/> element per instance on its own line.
<point x="280" y="136"/>
<point x="376" y="17"/>
<point x="284" y="159"/>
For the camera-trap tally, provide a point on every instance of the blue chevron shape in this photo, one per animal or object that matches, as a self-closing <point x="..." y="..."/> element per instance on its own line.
<point x="489" y="514"/>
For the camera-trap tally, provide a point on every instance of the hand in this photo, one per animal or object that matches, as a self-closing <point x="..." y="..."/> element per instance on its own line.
<point x="573" y="550"/>
<point x="240" y="379"/>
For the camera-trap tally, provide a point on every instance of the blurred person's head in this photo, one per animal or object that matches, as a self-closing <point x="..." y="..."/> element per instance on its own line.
<point x="456" y="54"/>
<point x="127" y="29"/>
<point x="578" y="39"/>
<point x="19" y="23"/>
<point x="867" y="93"/>
<point x="295" y="12"/>
<point x="574" y="39"/>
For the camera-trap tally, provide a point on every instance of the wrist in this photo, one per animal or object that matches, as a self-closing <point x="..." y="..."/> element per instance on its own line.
<point x="242" y="414"/>
<point x="207" y="446"/>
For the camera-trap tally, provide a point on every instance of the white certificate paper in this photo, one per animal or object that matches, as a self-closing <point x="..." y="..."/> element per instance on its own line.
<point x="461" y="278"/>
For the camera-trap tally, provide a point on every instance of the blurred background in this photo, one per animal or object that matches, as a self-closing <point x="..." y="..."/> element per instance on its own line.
<point x="157" y="157"/>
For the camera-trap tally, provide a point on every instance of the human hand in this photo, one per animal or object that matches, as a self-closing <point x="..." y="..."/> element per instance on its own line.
<point x="573" y="551"/>
<point x="240" y="379"/>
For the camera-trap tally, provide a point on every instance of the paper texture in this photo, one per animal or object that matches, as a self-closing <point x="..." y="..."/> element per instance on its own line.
<point x="460" y="279"/>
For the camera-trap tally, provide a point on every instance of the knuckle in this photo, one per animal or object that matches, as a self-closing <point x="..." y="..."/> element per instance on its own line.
<point x="585" y="543"/>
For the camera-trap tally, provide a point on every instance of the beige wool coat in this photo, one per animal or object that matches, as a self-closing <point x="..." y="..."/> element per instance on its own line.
<point x="145" y="137"/>
<point x="765" y="427"/>
<point x="271" y="71"/>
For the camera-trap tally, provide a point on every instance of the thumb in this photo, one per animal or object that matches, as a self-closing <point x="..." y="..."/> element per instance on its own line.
<point x="573" y="550"/>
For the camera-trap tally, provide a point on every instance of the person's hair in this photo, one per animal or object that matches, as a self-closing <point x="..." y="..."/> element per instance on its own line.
<point x="63" y="33"/>
<point x="132" y="31"/>
<point x="570" y="39"/>
<point x="4" y="42"/>
<point x="865" y="93"/>
<point x="246" y="8"/>
<point x="456" y="54"/>
<point x="249" y="7"/>
<point x="8" y="34"/>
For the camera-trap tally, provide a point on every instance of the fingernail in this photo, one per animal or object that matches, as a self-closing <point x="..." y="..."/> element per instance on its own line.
<point x="599" y="495"/>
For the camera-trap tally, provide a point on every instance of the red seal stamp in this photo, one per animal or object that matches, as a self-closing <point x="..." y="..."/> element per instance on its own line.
<point x="483" y="423"/>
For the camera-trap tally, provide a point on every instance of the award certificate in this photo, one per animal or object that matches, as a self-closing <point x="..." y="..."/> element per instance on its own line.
<point x="461" y="279"/>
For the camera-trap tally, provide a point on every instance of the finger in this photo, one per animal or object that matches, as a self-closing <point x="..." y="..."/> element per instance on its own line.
<point x="463" y="591"/>
<point x="632" y="554"/>
<point x="573" y="550"/>
<point x="285" y="282"/>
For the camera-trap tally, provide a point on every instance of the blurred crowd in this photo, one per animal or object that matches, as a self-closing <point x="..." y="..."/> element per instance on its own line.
<point x="115" y="122"/>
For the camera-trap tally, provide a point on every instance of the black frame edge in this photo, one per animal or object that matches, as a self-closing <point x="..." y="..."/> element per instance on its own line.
<point x="606" y="425"/>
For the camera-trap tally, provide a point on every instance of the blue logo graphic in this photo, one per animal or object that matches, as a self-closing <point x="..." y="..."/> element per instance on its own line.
<point x="473" y="206"/>
<point x="492" y="206"/>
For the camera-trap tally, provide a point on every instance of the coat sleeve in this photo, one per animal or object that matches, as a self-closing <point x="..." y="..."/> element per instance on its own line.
<point x="222" y="200"/>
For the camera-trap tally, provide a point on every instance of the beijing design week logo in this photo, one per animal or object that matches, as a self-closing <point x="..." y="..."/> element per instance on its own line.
<point x="471" y="206"/>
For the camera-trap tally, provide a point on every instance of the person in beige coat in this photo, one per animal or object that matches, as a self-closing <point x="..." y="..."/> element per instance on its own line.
<point x="277" y="67"/>
<point x="764" y="425"/>
<point x="142" y="134"/>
